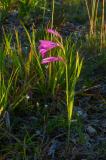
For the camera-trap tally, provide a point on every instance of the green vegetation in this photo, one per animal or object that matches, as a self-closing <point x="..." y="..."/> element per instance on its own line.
<point x="52" y="79"/>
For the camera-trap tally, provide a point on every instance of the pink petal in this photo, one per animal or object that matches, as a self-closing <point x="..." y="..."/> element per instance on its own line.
<point x="46" y="46"/>
<point x="43" y="52"/>
<point x="54" y="32"/>
<point x="51" y="59"/>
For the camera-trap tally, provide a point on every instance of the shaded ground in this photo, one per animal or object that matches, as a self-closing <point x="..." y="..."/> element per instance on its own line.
<point x="35" y="135"/>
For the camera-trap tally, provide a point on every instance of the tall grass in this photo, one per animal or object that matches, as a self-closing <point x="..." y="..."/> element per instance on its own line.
<point x="16" y="73"/>
<point x="97" y="25"/>
<point x="24" y="73"/>
<point x="28" y="74"/>
<point x="72" y="71"/>
<point x="69" y="70"/>
<point x="92" y="14"/>
<point x="103" y="34"/>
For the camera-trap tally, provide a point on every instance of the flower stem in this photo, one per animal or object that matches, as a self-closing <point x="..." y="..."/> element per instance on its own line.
<point x="50" y="65"/>
<point x="67" y="101"/>
<point x="52" y="14"/>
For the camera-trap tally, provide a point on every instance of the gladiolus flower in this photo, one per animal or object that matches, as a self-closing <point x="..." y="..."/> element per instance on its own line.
<point x="46" y="46"/>
<point x="54" y="32"/>
<point x="51" y="59"/>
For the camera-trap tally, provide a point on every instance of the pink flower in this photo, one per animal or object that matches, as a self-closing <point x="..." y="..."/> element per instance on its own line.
<point x="46" y="46"/>
<point x="54" y="32"/>
<point x="51" y="59"/>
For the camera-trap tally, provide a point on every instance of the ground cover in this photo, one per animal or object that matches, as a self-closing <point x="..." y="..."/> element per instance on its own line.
<point x="33" y="105"/>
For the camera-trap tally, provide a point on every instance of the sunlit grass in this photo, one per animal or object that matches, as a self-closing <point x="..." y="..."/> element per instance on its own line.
<point x="44" y="95"/>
